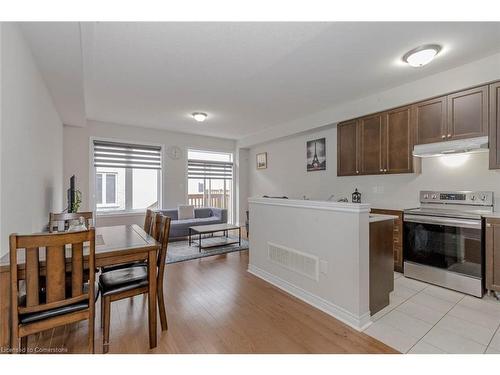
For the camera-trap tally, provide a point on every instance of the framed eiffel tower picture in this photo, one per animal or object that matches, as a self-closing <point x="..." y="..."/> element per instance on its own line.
<point x="316" y="155"/>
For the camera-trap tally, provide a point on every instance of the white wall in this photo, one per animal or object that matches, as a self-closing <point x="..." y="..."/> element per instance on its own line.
<point x="174" y="190"/>
<point x="286" y="175"/>
<point x="31" y="142"/>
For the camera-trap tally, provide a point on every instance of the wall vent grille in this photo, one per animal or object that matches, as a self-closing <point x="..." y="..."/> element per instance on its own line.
<point x="294" y="260"/>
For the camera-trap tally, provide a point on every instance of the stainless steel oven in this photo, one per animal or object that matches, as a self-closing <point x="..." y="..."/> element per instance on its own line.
<point x="443" y="240"/>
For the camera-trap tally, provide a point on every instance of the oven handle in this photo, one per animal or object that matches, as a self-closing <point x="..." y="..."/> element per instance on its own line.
<point x="451" y="222"/>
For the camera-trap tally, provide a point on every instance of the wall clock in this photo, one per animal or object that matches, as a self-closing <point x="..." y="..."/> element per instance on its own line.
<point x="174" y="152"/>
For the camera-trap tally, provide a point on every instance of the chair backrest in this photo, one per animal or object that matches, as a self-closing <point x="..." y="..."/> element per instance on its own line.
<point x="59" y="222"/>
<point x="161" y="234"/>
<point x="46" y="255"/>
<point x="148" y="221"/>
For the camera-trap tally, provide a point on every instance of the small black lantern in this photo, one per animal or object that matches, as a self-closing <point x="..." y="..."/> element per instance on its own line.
<point x="356" y="196"/>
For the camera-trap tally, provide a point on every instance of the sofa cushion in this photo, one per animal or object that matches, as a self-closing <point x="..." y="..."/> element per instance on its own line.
<point x="185" y="212"/>
<point x="202" y="213"/>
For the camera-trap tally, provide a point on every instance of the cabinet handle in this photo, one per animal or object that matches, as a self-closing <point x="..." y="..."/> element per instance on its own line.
<point x="443" y="136"/>
<point x="381" y="170"/>
<point x="488" y="225"/>
<point x="385" y="170"/>
<point x="357" y="171"/>
<point x="449" y="135"/>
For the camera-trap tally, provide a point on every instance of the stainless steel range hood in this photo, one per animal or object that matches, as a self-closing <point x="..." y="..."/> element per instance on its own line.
<point x="469" y="145"/>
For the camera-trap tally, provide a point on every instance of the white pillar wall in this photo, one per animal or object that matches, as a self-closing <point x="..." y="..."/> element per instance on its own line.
<point x="241" y="183"/>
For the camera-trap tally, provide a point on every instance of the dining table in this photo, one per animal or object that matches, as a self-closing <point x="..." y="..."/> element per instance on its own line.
<point x="114" y="245"/>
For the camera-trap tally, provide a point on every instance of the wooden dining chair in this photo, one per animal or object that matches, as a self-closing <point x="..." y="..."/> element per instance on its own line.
<point x="45" y="257"/>
<point x="148" y="228"/>
<point x="131" y="281"/>
<point x="148" y="221"/>
<point x="59" y="222"/>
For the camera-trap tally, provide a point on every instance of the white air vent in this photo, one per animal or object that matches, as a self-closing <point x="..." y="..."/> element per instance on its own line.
<point x="294" y="260"/>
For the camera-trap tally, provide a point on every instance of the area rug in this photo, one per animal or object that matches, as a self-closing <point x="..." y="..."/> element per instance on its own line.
<point x="179" y="251"/>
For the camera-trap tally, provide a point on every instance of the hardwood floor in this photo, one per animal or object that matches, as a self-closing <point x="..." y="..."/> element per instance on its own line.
<point x="215" y="306"/>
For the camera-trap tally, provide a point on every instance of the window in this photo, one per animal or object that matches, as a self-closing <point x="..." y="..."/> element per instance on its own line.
<point x="127" y="176"/>
<point x="106" y="189"/>
<point x="210" y="179"/>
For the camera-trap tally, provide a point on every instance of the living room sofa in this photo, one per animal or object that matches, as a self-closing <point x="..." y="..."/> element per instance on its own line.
<point x="202" y="216"/>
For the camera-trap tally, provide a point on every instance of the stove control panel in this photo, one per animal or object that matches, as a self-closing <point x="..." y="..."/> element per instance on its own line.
<point x="475" y="198"/>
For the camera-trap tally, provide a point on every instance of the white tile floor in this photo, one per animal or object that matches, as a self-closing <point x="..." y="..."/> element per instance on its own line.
<point x="426" y="319"/>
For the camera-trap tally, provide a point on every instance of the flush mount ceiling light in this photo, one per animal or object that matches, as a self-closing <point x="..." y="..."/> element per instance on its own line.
<point x="199" y="116"/>
<point x="422" y="55"/>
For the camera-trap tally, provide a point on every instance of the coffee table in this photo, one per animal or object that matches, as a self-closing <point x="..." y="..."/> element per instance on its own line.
<point x="213" y="228"/>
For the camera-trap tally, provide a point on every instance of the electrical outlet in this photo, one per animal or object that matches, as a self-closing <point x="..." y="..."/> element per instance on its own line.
<point x="323" y="266"/>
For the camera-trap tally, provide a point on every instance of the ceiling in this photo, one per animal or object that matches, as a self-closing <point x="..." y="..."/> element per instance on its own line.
<point x="248" y="77"/>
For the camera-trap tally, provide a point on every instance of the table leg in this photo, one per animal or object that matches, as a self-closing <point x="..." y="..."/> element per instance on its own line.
<point x="239" y="236"/>
<point x="5" y="310"/>
<point x="152" y="298"/>
<point x="199" y="242"/>
<point x="189" y="236"/>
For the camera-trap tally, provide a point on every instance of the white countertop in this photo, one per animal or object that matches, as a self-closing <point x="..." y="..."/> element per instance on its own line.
<point x="379" y="217"/>
<point x="313" y="204"/>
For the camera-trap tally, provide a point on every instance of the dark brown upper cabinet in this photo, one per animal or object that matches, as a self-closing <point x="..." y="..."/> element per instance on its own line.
<point x="383" y="143"/>
<point x="347" y="148"/>
<point x="371" y="136"/>
<point x="429" y="118"/>
<point x="468" y="113"/>
<point x="398" y="141"/>
<point x="494" y="135"/>
<point x="463" y="114"/>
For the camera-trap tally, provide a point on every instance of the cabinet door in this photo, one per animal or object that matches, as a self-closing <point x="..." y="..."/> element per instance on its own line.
<point x="371" y="138"/>
<point x="398" y="141"/>
<point x="429" y="118"/>
<point x="468" y="113"/>
<point x="347" y="148"/>
<point x="494" y="137"/>
<point x="493" y="254"/>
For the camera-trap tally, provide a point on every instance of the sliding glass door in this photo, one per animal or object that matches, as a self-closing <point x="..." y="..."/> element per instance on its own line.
<point x="210" y="180"/>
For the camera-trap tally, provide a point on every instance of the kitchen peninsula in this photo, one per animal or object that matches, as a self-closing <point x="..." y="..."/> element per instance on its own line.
<point x="318" y="251"/>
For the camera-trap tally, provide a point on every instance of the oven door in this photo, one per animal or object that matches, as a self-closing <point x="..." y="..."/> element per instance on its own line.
<point x="447" y="243"/>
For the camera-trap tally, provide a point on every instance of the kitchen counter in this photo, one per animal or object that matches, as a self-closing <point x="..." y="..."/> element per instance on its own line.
<point x="318" y="251"/>
<point x="491" y="215"/>
<point x="373" y="218"/>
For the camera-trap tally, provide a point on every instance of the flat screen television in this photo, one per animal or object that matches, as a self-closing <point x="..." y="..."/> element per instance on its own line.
<point x="71" y="194"/>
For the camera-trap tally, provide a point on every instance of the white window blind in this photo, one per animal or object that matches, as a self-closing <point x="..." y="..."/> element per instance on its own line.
<point x="207" y="169"/>
<point x="125" y="155"/>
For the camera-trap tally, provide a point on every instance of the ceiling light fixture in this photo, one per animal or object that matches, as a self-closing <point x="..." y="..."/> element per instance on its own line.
<point x="422" y="55"/>
<point x="199" y="116"/>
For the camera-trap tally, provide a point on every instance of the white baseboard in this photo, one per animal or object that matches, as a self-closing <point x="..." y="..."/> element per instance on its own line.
<point x="359" y="323"/>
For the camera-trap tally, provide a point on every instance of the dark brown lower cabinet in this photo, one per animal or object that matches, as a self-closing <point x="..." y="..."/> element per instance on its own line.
<point x="397" y="236"/>
<point x="381" y="274"/>
<point x="492" y="239"/>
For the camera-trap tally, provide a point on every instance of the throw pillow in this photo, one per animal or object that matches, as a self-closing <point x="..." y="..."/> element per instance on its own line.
<point x="185" y="212"/>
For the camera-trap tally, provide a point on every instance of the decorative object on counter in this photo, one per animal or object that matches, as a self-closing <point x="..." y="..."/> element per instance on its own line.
<point x="262" y="160"/>
<point x="356" y="196"/>
<point x="316" y="155"/>
<point x="77" y="225"/>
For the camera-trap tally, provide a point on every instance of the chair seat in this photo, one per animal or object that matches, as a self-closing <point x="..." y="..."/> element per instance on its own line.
<point x="125" y="265"/>
<point x="123" y="279"/>
<point x="41" y="315"/>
